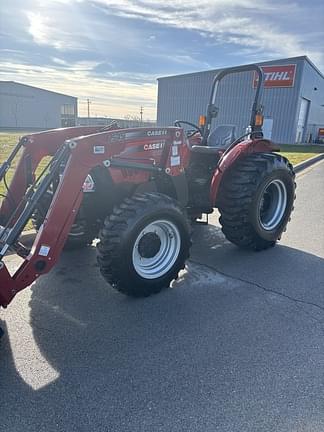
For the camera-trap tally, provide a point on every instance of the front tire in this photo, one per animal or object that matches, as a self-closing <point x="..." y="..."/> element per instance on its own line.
<point x="256" y="200"/>
<point x="144" y="244"/>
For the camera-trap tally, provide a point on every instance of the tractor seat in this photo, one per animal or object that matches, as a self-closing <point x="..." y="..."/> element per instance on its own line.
<point x="219" y="140"/>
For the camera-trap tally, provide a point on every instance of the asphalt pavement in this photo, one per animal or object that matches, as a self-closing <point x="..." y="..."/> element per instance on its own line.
<point x="237" y="343"/>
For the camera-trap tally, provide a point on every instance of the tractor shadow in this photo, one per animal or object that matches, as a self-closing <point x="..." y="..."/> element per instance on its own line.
<point x="125" y="364"/>
<point x="284" y="269"/>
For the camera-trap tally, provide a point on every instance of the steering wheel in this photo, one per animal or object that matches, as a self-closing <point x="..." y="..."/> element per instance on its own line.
<point x="178" y="123"/>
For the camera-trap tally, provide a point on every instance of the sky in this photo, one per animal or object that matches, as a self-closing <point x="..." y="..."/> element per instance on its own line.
<point x="113" y="51"/>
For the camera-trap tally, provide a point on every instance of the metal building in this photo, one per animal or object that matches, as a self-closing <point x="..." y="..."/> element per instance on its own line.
<point x="26" y="107"/>
<point x="293" y="99"/>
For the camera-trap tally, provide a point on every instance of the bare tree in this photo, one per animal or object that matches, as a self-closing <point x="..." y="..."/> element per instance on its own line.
<point x="134" y="118"/>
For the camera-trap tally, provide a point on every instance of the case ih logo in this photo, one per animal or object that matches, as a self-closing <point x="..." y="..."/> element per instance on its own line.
<point x="157" y="132"/>
<point x="154" y="146"/>
<point x="277" y="76"/>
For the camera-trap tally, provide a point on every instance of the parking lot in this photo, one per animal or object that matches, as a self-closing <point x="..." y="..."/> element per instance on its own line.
<point x="235" y="345"/>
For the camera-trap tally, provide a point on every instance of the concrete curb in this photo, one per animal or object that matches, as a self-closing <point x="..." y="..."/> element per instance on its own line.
<point x="28" y="236"/>
<point x="307" y="163"/>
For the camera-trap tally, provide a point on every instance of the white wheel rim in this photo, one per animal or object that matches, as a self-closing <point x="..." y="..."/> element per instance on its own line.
<point x="156" y="249"/>
<point x="273" y="205"/>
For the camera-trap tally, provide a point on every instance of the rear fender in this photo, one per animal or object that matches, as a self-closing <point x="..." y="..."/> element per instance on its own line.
<point x="239" y="151"/>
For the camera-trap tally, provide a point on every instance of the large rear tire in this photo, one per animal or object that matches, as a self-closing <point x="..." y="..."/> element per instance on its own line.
<point x="256" y="199"/>
<point x="144" y="244"/>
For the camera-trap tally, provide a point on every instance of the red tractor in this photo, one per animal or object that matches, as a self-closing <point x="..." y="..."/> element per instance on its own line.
<point x="137" y="190"/>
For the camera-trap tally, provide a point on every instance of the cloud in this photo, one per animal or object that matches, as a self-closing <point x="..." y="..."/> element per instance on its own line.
<point x="244" y="23"/>
<point x="113" y="50"/>
<point x="38" y="27"/>
<point x="44" y="29"/>
<point x="113" y="98"/>
<point x="241" y="22"/>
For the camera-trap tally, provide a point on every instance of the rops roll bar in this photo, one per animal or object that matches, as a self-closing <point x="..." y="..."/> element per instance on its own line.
<point x="212" y="110"/>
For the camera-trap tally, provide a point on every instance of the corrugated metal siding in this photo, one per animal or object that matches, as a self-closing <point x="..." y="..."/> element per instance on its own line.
<point x="311" y="81"/>
<point x="186" y="96"/>
<point x="23" y="106"/>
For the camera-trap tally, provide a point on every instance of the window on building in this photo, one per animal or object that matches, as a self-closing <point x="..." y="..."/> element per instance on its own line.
<point x="67" y="109"/>
<point x="68" y="115"/>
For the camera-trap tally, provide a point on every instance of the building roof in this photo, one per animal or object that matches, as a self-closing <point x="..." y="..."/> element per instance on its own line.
<point x="291" y="59"/>
<point x="36" y="88"/>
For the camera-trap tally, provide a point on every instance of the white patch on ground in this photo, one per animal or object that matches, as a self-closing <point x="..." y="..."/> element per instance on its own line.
<point x="30" y="363"/>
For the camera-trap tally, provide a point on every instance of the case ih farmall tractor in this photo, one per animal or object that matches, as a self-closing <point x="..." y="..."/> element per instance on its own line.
<point x="137" y="190"/>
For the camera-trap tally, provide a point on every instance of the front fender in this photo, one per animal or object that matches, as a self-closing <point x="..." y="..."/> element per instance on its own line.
<point x="240" y="150"/>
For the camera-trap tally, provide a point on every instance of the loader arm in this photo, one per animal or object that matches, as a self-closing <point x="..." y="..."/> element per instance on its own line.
<point x="78" y="155"/>
<point x="34" y="148"/>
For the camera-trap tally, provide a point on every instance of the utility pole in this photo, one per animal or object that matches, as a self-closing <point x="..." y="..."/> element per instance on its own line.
<point x="88" y="103"/>
<point x="141" y="112"/>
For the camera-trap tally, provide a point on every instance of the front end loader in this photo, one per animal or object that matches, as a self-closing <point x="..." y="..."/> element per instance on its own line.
<point x="138" y="190"/>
